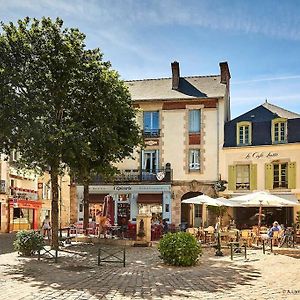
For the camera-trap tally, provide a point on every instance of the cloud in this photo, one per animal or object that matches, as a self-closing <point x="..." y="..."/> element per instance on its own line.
<point x="278" y="20"/>
<point x="291" y="77"/>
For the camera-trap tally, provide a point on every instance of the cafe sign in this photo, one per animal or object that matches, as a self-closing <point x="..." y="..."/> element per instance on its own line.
<point x="261" y="155"/>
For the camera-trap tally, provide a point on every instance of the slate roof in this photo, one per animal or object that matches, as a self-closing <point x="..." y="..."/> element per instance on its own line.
<point x="281" y="112"/>
<point x="189" y="88"/>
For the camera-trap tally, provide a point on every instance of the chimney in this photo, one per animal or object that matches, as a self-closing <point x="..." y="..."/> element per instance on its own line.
<point x="225" y="73"/>
<point x="175" y="75"/>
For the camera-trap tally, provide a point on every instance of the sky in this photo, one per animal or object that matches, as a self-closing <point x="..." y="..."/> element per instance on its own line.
<point x="260" y="40"/>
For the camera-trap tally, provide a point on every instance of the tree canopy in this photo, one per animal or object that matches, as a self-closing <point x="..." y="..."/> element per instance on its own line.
<point x="61" y="104"/>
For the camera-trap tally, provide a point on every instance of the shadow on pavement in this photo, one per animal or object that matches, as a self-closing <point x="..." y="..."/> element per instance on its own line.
<point x="6" y="242"/>
<point x="144" y="276"/>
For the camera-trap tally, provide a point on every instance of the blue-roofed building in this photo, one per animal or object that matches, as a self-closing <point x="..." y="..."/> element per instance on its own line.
<point x="261" y="151"/>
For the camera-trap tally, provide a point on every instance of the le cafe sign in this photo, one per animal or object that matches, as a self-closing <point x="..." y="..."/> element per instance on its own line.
<point x="261" y="155"/>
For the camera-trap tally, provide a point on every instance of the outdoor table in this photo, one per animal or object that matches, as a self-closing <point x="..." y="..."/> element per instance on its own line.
<point x="64" y="229"/>
<point x="114" y="229"/>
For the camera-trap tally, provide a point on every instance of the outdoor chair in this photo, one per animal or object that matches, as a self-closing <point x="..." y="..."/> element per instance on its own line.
<point x="277" y="235"/>
<point x="209" y="234"/>
<point x="246" y="237"/>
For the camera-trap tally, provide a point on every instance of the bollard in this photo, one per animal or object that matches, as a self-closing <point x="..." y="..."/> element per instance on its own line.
<point x="263" y="246"/>
<point x="245" y="251"/>
<point x="231" y="251"/>
<point x="124" y="257"/>
<point x="99" y="254"/>
<point x="271" y="245"/>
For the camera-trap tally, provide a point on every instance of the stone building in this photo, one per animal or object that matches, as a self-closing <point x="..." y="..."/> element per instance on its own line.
<point x="182" y="119"/>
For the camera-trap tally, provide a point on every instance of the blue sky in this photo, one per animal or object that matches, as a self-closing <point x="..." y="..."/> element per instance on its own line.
<point x="259" y="39"/>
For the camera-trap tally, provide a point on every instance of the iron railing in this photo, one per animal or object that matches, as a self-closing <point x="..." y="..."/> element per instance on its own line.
<point x="151" y="133"/>
<point x="136" y="175"/>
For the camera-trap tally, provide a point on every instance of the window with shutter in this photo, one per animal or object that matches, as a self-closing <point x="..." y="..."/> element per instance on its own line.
<point x="232" y="178"/>
<point x="253" y="177"/>
<point x="292" y="175"/>
<point x="268" y="176"/>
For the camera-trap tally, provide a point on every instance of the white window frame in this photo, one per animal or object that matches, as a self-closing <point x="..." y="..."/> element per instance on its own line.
<point x="194" y="160"/>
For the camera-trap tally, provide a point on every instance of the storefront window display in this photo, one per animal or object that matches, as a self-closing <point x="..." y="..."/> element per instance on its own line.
<point x="151" y="209"/>
<point x="123" y="209"/>
<point x="23" y="218"/>
<point x="95" y="209"/>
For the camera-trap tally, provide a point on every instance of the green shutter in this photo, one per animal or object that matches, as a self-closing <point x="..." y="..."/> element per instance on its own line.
<point x="232" y="178"/>
<point x="268" y="176"/>
<point x="292" y="175"/>
<point x="253" y="177"/>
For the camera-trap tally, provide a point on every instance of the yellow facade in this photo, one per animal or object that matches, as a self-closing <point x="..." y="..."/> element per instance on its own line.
<point x="261" y="157"/>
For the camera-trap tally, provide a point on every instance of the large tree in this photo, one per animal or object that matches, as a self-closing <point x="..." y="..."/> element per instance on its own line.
<point x="46" y="107"/>
<point x="109" y="133"/>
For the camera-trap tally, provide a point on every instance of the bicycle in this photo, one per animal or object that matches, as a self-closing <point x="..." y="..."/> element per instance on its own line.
<point x="287" y="238"/>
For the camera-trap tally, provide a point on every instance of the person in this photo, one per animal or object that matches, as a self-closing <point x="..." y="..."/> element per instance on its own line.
<point x="165" y="226"/>
<point x="46" y="226"/>
<point x="275" y="227"/>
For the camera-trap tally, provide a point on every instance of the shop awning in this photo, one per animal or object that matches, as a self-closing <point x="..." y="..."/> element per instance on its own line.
<point x="96" y="198"/>
<point x="150" y="198"/>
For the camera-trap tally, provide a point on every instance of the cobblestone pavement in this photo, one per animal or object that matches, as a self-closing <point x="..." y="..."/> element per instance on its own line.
<point x="77" y="276"/>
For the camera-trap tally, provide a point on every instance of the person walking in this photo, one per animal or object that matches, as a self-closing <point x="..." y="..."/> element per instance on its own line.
<point x="46" y="226"/>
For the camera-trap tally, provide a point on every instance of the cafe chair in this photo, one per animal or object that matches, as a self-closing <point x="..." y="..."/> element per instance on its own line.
<point x="246" y="237"/>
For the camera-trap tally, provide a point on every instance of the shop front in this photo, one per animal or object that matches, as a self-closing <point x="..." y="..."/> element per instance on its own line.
<point x="127" y="201"/>
<point x="24" y="214"/>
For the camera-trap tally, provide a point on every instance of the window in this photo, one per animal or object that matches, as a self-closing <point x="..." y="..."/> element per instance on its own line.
<point x="12" y="187"/>
<point x="194" y="121"/>
<point x="242" y="177"/>
<point x="279" y="130"/>
<point x="151" y="123"/>
<point x="243" y="133"/>
<point x="167" y="208"/>
<point x="194" y="159"/>
<point x="150" y="161"/>
<point x="198" y="211"/>
<point x="280" y="175"/>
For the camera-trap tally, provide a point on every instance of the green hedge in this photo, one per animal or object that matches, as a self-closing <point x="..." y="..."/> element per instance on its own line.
<point x="28" y="242"/>
<point x="179" y="249"/>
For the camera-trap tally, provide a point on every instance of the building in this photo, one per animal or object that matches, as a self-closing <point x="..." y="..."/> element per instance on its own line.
<point x="262" y="152"/>
<point x="25" y="197"/>
<point x="45" y="196"/>
<point x="183" y="122"/>
<point x="20" y="206"/>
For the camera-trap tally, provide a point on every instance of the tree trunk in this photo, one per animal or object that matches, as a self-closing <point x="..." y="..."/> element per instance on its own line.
<point x="54" y="207"/>
<point x="85" y="206"/>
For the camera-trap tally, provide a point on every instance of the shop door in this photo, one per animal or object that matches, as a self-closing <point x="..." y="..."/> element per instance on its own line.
<point x="197" y="215"/>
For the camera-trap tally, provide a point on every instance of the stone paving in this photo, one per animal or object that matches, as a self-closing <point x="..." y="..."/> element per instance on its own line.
<point x="77" y="276"/>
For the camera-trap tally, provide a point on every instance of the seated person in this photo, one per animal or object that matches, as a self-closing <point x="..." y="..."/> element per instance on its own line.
<point x="275" y="227"/>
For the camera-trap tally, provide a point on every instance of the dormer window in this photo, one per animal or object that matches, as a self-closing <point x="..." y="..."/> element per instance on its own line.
<point x="243" y="133"/>
<point x="279" y="131"/>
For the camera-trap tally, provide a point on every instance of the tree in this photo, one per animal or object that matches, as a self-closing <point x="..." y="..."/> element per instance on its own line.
<point x="45" y="111"/>
<point x="101" y="143"/>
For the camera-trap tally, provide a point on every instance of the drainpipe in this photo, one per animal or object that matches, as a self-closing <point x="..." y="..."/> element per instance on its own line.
<point x="218" y="137"/>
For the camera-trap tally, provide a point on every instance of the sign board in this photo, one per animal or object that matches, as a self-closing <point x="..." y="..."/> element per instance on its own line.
<point x="127" y="189"/>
